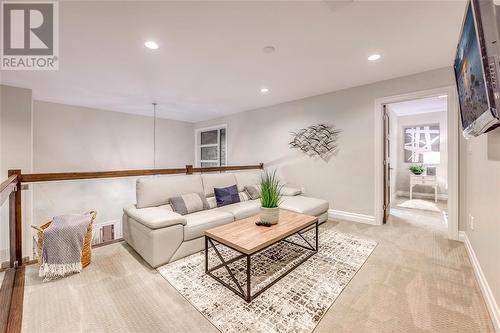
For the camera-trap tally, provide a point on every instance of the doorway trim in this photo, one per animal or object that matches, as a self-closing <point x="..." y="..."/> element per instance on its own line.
<point x="453" y="151"/>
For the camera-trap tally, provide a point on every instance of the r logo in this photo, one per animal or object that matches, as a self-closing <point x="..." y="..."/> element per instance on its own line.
<point x="28" y="29"/>
<point x="30" y="35"/>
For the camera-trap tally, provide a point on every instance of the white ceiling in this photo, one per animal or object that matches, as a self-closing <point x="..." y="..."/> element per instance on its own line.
<point x="417" y="106"/>
<point x="210" y="62"/>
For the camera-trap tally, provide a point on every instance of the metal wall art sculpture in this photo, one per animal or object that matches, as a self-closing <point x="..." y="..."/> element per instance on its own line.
<point x="316" y="140"/>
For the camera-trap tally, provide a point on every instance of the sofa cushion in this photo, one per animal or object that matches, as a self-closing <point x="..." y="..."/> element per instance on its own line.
<point x="227" y="195"/>
<point x="304" y="205"/>
<point x="155" y="217"/>
<point x="253" y="191"/>
<point x="212" y="203"/>
<point x="189" y="203"/>
<point x="213" y="180"/>
<point x="247" y="178"/>
<point x="290" y="191"/>
<point x="244" y="196"/>
<point x="199" y="222"/>
<point x="156" y="191"/>
<point x="167" y="207"/>
<point x="242" y="210"/>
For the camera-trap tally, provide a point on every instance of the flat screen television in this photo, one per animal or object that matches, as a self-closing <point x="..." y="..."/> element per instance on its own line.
<point x="476" y="67"/>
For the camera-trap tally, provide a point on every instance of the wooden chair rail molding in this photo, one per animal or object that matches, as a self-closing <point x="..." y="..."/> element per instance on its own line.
<point x="225" y="168"/>
<point x="59" y="176"/>
<point x="188" y="169"/>
<point x="12" y="289"/>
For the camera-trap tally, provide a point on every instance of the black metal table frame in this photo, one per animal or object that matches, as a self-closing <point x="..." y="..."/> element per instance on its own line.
<point x="247" y="295"/>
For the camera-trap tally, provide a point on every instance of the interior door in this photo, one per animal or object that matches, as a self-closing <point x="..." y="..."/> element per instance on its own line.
<point x="387" y="165"/>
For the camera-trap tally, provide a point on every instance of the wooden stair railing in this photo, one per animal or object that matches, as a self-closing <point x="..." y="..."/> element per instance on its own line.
<point x="12" y="289"/>
<point x="188" y="169"/>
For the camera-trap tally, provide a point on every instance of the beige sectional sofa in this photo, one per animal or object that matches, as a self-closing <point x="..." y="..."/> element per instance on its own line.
<point x="160" y="235"/>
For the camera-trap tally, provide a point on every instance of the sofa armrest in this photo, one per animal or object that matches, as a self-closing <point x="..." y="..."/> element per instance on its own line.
<point x="155" y="217"/>
<point x="290" y="191"/>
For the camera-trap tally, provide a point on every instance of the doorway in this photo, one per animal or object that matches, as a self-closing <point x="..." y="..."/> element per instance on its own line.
<point x="438" y="179"/>
<point x="416" y="159"/>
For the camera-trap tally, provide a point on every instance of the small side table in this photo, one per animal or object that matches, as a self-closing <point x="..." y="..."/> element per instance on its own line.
<point x="423" y="180"/>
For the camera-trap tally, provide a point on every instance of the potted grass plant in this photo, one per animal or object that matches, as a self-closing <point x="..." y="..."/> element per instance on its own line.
<point x="417" y="169"/>
<point x="270" y="197"/>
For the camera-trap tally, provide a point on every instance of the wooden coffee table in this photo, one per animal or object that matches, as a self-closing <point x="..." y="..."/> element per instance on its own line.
<point x="246" y="238"/>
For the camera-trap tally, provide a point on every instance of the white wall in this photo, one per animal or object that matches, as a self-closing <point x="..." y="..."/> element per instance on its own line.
<point x="402" y="172"/>
<point x="71" y="138"/>
<point x="15" y="151"/>
<point x="16" y="129"/>
<point x="346" y="181"/>
<point x="480" y="179"/>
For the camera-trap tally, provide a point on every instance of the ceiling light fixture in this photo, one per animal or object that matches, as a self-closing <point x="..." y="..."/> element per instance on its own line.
<point x="374" y="57"/>
<point x="264" y="90"/>
<point x="151" y="45"/>
<point x="442" y="96"/>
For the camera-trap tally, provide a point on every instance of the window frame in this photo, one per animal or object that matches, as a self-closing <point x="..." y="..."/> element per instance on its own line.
<point x="198" y="145"/>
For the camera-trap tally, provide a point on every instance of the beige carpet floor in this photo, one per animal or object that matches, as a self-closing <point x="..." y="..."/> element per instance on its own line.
<point x="415" y="281"/>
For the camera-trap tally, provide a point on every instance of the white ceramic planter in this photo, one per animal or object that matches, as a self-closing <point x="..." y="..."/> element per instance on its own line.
<point x="269" y="215"/>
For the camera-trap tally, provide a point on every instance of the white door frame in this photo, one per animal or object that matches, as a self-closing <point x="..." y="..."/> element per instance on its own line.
<point x="453" y="155"/>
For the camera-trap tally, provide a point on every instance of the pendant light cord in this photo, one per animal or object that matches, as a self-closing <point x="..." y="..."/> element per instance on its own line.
<point x="154" y="135"/>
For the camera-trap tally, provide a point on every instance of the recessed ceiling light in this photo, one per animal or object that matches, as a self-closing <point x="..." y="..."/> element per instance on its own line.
<point x="269" y="49"/>
<point x="151" y="45"/>
<point x="442" y="96"/>
<point x="264" y="90"/>
<point x="374" y="57"/>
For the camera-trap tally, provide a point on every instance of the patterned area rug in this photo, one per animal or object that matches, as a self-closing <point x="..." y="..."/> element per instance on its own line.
<point x="296" y="303"/>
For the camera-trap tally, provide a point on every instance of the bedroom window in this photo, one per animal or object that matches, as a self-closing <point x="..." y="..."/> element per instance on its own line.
<point x="211" y="149"/>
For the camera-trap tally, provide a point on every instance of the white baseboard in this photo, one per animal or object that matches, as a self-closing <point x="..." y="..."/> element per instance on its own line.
<point x="421" y="195"/>
<point x="489" y="299"/>
<point x="348" y="216"/>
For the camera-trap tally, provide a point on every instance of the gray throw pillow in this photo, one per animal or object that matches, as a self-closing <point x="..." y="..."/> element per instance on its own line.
<point x="189" y="203"/>
<point x="253" y="191"/>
